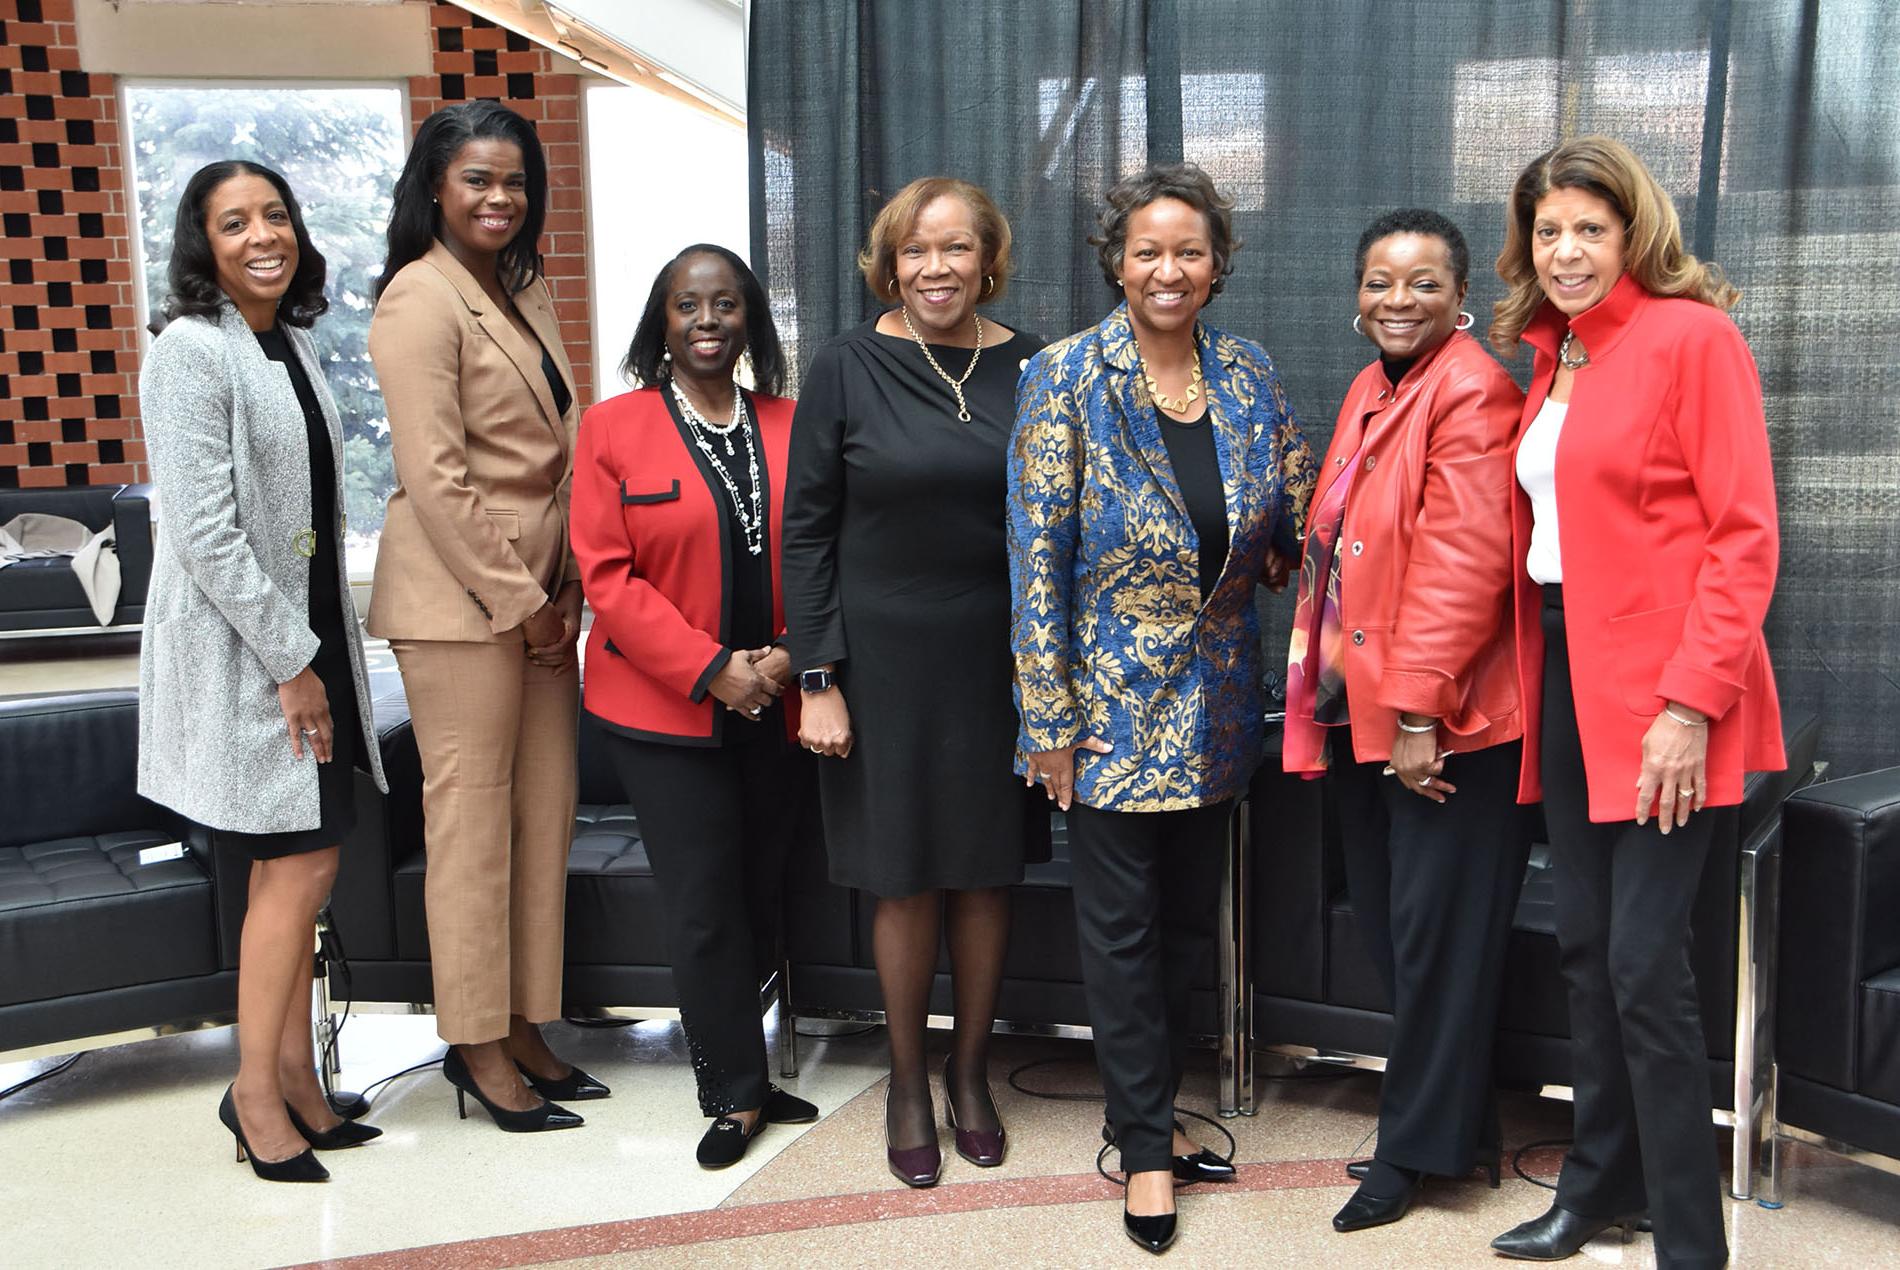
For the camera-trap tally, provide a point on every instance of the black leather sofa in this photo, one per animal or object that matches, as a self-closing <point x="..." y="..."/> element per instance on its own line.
<point x="95" y="947"/>
<point x="45" y="595"/>
<point x="1315" y="993"/>
<point x="1838" y="1021"/>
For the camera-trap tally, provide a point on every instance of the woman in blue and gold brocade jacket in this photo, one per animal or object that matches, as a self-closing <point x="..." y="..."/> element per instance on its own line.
<point x="1156" y="476"/>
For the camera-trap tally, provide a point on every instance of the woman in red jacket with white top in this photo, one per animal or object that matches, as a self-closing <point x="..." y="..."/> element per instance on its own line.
<point x="1401" y="686"/>
<point x="1646" y="534"/>
<point x="678" y="488"/>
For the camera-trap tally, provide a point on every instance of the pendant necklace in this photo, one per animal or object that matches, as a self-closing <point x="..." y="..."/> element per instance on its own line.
<point x="956" y="385"/>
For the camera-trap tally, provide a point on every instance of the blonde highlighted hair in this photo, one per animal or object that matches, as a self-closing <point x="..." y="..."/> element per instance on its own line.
<point x="878" y="260"/>
<point x="1652" y="234"/>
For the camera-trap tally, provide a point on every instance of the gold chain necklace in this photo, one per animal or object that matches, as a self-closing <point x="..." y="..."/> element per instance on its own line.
<point x="1173" y="405"/>
<point x="956" y="385"/>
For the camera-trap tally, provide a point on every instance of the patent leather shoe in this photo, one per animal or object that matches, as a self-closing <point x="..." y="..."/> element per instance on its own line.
<point x="783" y="1108"/>
<point x="347" y="1134"/>
<point x="984" y="1148"/>
<point x="917" y="1167"/>
<point x="576" y="1086"/>
<point x="1202" y="1166"/>
<point x="1366" y="1210"/>
<point x="539" y="1119"/>
<point x="301" y="1167"/>
<point x="1558" y="1234"/>
<point x="1154" y="1232"/>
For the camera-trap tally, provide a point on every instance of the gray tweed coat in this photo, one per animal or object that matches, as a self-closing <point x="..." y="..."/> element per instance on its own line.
<point x="227" y="617"/>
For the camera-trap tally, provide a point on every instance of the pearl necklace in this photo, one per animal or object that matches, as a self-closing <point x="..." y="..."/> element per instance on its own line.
<point x="956" y="385"/>
<point x="751" y="519"/>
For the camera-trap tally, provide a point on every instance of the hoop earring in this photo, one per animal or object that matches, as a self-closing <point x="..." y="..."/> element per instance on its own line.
<point x="1356" y="328"/>
<point x="1465" y="321"/>
<point x="989" y="285"/>
<point x="892" y="289"/>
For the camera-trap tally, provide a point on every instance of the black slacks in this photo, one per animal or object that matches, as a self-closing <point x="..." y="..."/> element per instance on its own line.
<point x="1644" y="1137"/>
<point x="1146" y="887"/>
<point x="718" y="824"/>
<point x="1434" y="887"/>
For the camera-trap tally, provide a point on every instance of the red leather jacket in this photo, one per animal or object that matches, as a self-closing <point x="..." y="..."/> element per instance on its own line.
<point x="1425" y="583"/>
<point x="1669" y="541"/>
<point x="653" y="561"/>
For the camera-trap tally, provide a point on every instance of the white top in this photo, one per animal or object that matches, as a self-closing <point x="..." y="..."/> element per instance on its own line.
<point x="1537" y="473"/>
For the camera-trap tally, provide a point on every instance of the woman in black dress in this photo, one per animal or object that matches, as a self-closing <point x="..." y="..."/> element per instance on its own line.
<point x="897" y="600"/>
<point x="252" y="691"/>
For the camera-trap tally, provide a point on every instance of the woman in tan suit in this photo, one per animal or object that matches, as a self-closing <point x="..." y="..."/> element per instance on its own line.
<point x="477" y="592"/>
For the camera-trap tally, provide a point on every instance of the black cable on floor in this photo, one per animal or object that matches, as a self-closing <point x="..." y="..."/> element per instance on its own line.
<point x="1517" y="1160"/>
<point x="37" y="1077"/>
<point x="1101" y="1155"/>
<point x="369" y="1097"/>
<point x="576" y="1020"/>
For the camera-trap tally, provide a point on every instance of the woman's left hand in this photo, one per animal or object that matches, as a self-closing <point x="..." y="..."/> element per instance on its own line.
<point x="1415" y="761"/>
<point x="1278" y="569"/>
<point x="559" y="655"/>
<point x="774" y="663"/>
<point x="1674" y="779"/>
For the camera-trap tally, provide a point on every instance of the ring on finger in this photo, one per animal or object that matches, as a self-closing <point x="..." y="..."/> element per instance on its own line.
<point x="1686" y="791"/>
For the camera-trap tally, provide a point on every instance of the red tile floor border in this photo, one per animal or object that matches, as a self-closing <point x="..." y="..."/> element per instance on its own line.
<point x="817" y="1212"/>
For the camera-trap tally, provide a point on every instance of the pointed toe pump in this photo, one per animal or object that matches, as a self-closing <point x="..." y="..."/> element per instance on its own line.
<point x="347" y="1133"/>
<point x="302" y="1167"/>
<point x="539" y="1119"/>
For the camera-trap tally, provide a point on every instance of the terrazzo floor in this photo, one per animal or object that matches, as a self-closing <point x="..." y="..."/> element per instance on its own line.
<point x="121" y="1161"/>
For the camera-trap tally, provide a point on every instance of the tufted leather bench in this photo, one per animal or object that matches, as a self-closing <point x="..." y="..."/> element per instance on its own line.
<point x="91" y="941"/>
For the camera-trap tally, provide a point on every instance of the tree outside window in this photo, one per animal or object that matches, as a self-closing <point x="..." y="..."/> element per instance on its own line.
<point x="341" y="150"/>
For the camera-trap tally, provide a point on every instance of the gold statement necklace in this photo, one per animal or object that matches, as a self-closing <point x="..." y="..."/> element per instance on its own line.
<point x="1173" y="405"/>
<point x="956" y="385"/>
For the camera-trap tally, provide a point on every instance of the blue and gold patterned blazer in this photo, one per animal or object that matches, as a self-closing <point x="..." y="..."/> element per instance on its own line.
<point x="1109" y="633"/>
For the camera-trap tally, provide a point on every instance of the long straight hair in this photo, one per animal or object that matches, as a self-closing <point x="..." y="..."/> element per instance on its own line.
<point x="1652" y="233"/>
<point x="414" y="217"/>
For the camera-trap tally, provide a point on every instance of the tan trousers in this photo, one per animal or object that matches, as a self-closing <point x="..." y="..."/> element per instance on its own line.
<point x="497" y="737"/>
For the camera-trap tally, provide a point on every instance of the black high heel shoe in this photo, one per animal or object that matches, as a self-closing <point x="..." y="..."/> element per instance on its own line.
<point x="1558" y="1234"/>
<point x="576" y="1086"/>
<point x="347" y="1134"/>
<point x="302" y="1167"/>
<point x="1202" y="1166"/>
<point x="534" y="1120"/>
<point x="1154" y="1233"/>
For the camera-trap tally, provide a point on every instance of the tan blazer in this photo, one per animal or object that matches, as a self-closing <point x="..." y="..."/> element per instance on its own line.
<point x="476" y="534"/>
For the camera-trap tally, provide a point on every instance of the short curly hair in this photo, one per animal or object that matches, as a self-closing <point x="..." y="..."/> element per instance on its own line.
<point x="1185" y="182"/>
<point x="1425" y="223"/>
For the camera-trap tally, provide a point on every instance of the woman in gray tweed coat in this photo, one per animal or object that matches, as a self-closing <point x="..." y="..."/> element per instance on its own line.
<point x="253" y="700"/>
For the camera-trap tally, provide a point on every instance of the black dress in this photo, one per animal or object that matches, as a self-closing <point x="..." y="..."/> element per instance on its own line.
<point x="336" y="781"/>
<point x="895" y="569"/>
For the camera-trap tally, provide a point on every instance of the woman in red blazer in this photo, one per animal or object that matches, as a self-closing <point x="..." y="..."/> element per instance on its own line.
<point x="1646" y="534"/>
<point x="678" y="488"/>
<point x="1402" y="688"/>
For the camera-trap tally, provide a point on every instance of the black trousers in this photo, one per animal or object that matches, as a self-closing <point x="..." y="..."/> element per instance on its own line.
<point x="718" y="824"/>
<point x="1644" y="1137"/>
<point x="1434" y="887"/>
<point x="1146" y="887"/>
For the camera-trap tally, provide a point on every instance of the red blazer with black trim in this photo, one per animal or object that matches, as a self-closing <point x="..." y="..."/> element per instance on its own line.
<point x="1669" y="538"/>
<point x="653" y="561"/>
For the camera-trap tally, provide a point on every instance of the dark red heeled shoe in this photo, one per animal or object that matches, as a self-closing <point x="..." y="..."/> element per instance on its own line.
<point x="914" y="1166"/>
<point x="984" y="1148"/>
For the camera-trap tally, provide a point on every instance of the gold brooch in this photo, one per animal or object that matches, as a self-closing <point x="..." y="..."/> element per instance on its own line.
<point x="306" y="542"/>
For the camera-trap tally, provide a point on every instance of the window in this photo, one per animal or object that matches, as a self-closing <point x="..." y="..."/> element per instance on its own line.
<point x="341" y="150"/>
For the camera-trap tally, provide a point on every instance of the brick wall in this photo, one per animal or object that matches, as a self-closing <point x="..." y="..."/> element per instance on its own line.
<point x="68" y="318"/>
<point x="68" y="335"/>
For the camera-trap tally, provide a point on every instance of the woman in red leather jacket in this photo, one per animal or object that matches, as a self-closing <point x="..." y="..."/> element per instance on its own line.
<point x="1645" y="542"/>
<point x="1401" y="687"/>
<point x="678" y="489"/>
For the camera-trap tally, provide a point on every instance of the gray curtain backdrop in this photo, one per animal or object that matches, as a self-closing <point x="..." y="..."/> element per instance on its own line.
<point x="1775" y="124"/>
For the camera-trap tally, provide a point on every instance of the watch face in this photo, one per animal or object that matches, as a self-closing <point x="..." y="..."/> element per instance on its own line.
<point x="814" y="680"/>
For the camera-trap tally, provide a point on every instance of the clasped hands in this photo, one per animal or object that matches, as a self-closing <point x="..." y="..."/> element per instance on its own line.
<point x="550" y="633"/>
<point x="752" y="679"/>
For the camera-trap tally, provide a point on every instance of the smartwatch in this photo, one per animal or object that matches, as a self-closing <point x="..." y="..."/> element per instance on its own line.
<point x="815" y="680"/>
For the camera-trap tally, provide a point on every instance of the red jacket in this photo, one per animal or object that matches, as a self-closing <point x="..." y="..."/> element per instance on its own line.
<point x="647" y="536"/>
<point x="1426" y="575"/>
<point x="1669" y="542"/>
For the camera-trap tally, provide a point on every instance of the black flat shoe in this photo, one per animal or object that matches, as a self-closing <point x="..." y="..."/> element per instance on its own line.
<point x="576" y="1086"/>
<point x="1366" y="1210"/>
<point x="1558" y="1234"/>
<point x="348" y="1105"/>
<point x="725" y="1142"/>
<point x="1358" y="1169"/>
<point x="301" y="1167"/>
<point x="1153" y="1233"/>
<point x="783" y="1108"/>
<point x="534" y="1120"/>
<point x="347" y="1134"/>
